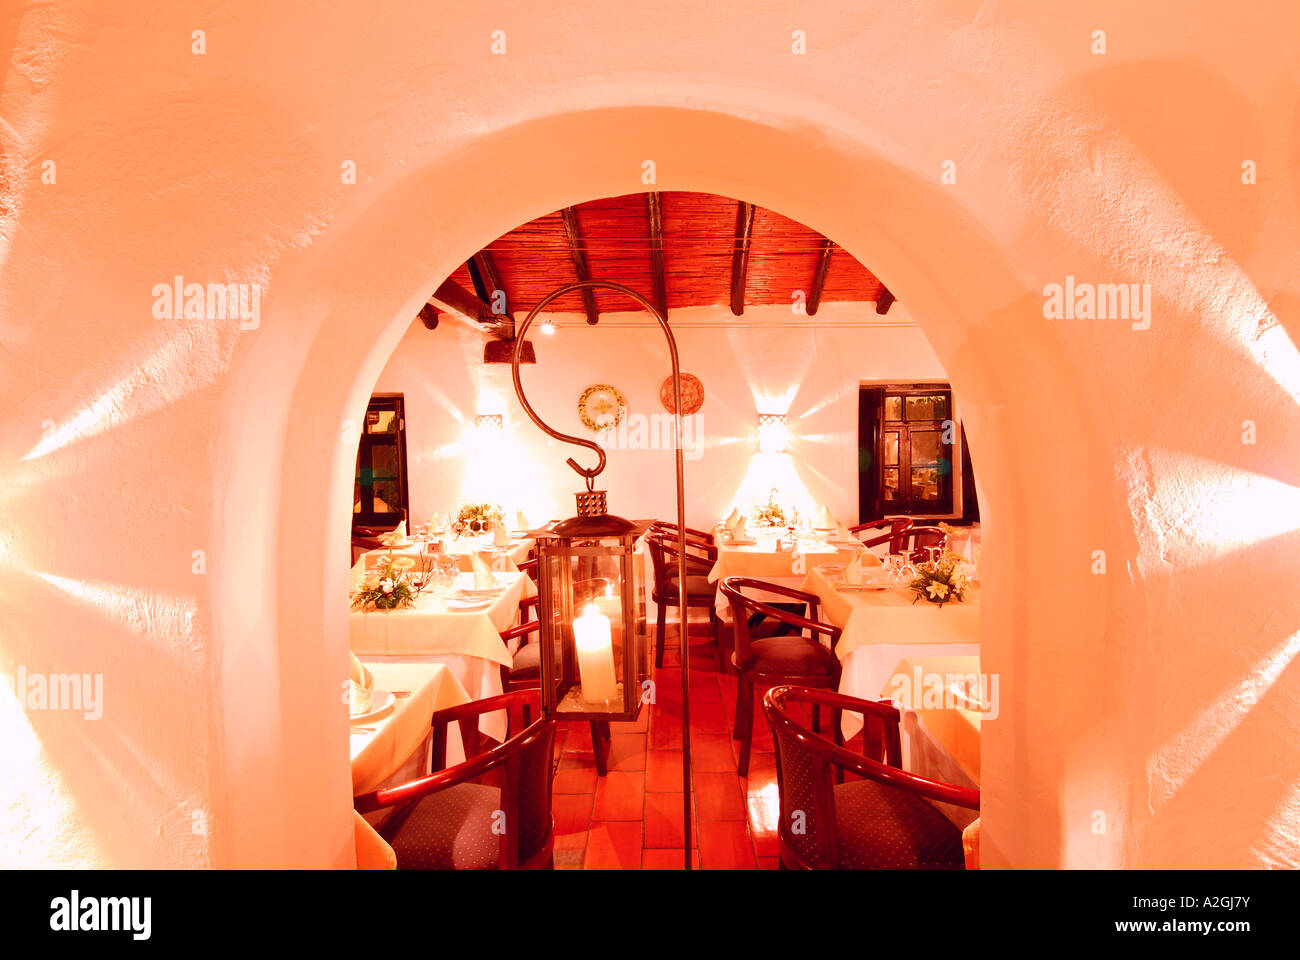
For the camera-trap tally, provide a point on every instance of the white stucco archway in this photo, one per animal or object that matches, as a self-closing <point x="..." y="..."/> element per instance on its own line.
<point x="383" y="268"/>
<point x="1140" y="705"/>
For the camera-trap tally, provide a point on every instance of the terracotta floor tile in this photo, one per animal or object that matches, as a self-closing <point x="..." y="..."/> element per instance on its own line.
<point x="709" y="718"/>
<point x="663" y="771"/>
<point x="569" y="859"/>
<point x="667" y="859"/>
<point x="712" y="752"/>
<point x="718" y="796"/>
<point x="764" y="814"/>
<point x="725" y="845"/>
<point x="620" y="795"/>
<point x="614" y="846"/>
<point x="663" y="820"/>
<point x="769" y="863"/>
<point x="762" y="774"/>
<point x="576" y="774"/>
<point x="665" y="732"/>
<point x="627" y="751"/>
<point x="572" y="812"/>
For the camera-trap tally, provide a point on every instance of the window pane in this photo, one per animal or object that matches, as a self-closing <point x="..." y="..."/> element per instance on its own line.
<point x="925" y="483"/>
<point x="388" y="496"/>
<point x="894" y="408"/>
<point x="383" y="462"/>
<point x="356" y="497"/>
<point x="889" y="476"/>
<point x="381" y="421"/>
<point x="929" y="407"/>
<point x="891" y="449"/>
<point x="926" y="446"/>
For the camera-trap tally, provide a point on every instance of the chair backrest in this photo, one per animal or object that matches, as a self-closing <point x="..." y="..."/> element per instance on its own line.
<point x="521" y="767"/>
<point x="744" y="606"/>
<point x="894" y="537"/>
<point x="664" y="549"/>
<point x="805" y="769"/>
<point x="692" y="535"/>
<point x="916" y="540"/>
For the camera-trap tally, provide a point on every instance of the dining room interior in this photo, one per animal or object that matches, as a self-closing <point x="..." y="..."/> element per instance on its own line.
<point x="823" y="458"/>
<point x="859" y="443"/>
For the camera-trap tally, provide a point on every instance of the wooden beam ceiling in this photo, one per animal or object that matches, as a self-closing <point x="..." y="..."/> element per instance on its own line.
<point x="660" y="297"/>
<point x="819" y="278"/>
<point x="455" y="297"/>
<point x="884" y="301"/>
<point x="740" y="256"/>
<point x="574" y="236"/>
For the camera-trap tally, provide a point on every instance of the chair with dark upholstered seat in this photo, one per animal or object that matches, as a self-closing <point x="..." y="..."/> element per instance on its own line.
<point x="917" y="542"/>
<point x="492" y="812"/>
<point x="882" y="822"/>
<point x="768" y="658"/>
<point x="700" y="593"/>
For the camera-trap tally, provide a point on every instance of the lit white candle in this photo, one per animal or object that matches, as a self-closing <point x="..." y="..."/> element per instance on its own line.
<point x="595" y="647"/>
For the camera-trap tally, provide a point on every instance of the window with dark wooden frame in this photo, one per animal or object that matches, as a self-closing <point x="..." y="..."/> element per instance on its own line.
<point x="906" y="440"/>
<point x="380" y="493"/>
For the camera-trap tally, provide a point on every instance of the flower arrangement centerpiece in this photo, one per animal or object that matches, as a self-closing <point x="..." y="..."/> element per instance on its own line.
<point x="392" y="585"/>
<point x="476" y="518"/>
<point x="941" y="580"/>
<point x="770" y="514"/>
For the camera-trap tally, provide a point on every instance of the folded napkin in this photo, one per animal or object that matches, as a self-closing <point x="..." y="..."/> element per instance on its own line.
<point x="739" y="531"/>
<point x="521" y="522"/>
<point x="730" y="522"/>
<point x="361" y="687"/>
<point x="499" y="536"/>
<point x="825" y="519"/>
<point x="843" y="533"/>
<point x="853" y="569"/>
<point x="397" y="536"/>
<point x="483" y="579"/>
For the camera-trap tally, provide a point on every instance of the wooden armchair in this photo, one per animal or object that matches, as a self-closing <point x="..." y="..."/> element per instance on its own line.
<point x="883" y="821"/>
<point x="765" y="657"/>
<point x="894" y="537"/>
<point x="700" y="593"/>
<point x="916" y="542"/>
<point x="450" y="821"/>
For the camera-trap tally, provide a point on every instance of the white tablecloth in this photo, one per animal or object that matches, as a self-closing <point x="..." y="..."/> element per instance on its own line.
<point x="396" y="748"/>
<point x="431" y="629"/>
<point x="499" y="558"/>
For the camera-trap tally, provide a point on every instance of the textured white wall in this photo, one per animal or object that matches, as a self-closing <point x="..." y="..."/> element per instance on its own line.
<point x="1163" y="695"/>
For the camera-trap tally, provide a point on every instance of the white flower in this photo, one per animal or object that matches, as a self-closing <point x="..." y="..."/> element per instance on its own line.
<point x="386" y="585"/>
<point x="937" y="590"/>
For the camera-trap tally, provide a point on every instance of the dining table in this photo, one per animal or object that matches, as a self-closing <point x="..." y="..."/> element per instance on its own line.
<point x="940" y="722"/>
<point x="464" y="547"/>
<point x="395" y="747"/>
<point x="438" y="629"/>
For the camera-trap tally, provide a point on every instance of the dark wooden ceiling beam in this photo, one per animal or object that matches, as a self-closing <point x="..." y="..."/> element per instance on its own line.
<point x="885" y="300"/>
<point x="819" y="278"/>
<point x="657" y="272"/>
<point x="491" y="278"/>
<point x="429" y="316"/>
<point x="571" y="230"/>
<point x="455" y="297"/>
<point x="740" y="255"/>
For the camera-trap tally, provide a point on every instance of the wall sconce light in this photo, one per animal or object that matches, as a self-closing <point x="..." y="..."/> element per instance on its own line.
<point x="773" y="432"/>
<point x="548" y="327"/>
<point x="491" y="421"/>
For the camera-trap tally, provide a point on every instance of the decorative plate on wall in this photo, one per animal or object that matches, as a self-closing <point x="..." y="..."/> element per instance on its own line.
<point x="601" y="407"/>
<point x="692" y="394"/>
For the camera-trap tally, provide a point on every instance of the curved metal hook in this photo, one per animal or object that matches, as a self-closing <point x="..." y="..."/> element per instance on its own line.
<point x="588" y="473"/>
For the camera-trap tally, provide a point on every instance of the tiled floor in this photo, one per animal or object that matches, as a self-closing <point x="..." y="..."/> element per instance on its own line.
<point x="632" y="818"/>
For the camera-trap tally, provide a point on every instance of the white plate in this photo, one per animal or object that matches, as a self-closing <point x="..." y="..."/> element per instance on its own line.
<point x="741" y="543"/>
<point x="462" y="604"/>
<point x="861" y="586"/>
<point x="381" y="701"/>
<point x="399" y="544"/>
<point x="845" y="543"/>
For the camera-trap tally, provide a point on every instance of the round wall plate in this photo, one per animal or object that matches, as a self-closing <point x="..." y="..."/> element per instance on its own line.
<point x="601" y="407"/>
<point x="692" y="394"/>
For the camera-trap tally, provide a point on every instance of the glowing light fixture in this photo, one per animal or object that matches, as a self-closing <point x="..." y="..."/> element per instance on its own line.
<point x="773" y="432"/>
<point x="548" y="327"/>
<point x="491" y="421"/>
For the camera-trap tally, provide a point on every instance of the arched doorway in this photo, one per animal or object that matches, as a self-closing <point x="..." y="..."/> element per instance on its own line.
<point x="332" y="318"/>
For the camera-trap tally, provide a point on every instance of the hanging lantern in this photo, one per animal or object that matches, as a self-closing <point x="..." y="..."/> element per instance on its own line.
<point x="595" y="661"/>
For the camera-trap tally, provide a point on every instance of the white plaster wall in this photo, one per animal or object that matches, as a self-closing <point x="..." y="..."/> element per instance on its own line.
<point x="1163" y="694"/>
<point x="769" y="361"/>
